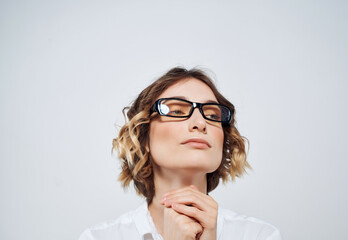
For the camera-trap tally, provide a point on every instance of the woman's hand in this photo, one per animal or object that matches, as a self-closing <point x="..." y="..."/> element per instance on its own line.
<point x="177" y="226"/>
<point x="190" y="202"/>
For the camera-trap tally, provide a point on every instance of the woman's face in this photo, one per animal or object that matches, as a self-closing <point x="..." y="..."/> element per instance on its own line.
<point x="168" y="136"/>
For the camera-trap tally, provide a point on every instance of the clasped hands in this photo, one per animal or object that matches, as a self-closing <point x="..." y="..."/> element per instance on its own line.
<point x="189" y="214"/>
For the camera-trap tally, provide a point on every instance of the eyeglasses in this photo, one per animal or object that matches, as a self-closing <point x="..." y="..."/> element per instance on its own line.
<point x="180" y="108"/>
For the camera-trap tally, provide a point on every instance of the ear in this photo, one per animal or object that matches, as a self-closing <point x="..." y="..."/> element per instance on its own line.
<point x="147" y="144"/>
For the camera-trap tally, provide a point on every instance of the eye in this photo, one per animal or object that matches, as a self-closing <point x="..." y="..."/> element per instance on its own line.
<point x="212" y="112"/>
<point x="213" y="117"/>
<point x="177" y="108"/>
<point x="176" y="112"/>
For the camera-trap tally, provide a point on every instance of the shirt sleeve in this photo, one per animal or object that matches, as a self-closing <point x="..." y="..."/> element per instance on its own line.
<point x="275" y="235"/>
<point x="268" y="232"/>
<point x="86" y="235"/>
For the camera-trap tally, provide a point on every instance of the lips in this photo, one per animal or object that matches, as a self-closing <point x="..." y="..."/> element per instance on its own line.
<point x="197" y="143"/>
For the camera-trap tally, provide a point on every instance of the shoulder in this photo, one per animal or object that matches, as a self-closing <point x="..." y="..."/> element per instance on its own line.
<point x="245" y="227"/>
<point x="119" y="228"/>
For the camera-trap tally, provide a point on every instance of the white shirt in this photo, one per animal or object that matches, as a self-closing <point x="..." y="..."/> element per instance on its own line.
<point x="138" y="225"/>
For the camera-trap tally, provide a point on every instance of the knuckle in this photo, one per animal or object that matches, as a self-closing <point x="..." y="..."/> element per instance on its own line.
<point x="172" y="214"/>
<point x="186" y="228"/>
<point x="191" y="230"/>
<point x="216" y="205"/>
<point x="179" y="220"/>
<point x="213" y="202"/>
<point x="195" y="212"/>
<point x="194" y="198"/>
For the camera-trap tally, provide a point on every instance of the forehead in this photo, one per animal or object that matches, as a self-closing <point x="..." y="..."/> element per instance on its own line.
<point x="191" y="89"/>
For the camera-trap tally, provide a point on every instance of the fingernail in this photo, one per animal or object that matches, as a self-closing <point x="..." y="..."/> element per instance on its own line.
<point x="163" y="199"/>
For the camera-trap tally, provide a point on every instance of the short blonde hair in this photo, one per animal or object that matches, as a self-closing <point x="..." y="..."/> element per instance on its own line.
<point x="133" y="137"/>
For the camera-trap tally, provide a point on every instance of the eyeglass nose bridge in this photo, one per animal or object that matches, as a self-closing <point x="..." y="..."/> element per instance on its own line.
<point x="199" y="106"/>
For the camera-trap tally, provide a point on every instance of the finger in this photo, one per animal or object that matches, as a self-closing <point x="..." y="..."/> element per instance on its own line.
<point x="182" y="226"/>
<point x="192" y="212"/>
<point x="189" y="199"/>
<point x="186" y="190"/>
<point x="191" y="187"/>
<point x="207" y="200"/>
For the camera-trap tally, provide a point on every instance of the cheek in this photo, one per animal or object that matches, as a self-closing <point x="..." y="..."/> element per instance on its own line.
<point x="218" y="137"/>
<point x="162" y="140"/>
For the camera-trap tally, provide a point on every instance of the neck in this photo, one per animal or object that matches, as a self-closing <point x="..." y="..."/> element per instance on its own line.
<point x="167" y="180"/>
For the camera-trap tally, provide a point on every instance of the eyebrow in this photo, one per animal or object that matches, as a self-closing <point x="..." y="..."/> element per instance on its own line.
<point x="208" y="101"/>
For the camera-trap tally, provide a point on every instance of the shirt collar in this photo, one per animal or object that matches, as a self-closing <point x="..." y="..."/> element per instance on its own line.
<point x="220" y="222"/>
<point x="142" y="221"/>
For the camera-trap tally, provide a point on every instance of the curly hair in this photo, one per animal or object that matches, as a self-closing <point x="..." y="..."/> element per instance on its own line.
<point x="133" y="137"/>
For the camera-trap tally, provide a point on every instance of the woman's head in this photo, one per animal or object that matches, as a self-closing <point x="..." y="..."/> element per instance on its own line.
<point x="192" y="144"/>
<point x="149" y="140"/>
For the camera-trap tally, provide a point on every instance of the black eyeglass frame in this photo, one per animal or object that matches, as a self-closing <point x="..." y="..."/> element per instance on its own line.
<point x="155" y="108"/>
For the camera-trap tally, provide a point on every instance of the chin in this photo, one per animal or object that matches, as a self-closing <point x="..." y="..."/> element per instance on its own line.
<point x="200" y="164"/>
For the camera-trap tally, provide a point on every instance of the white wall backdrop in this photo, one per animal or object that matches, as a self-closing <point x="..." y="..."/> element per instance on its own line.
<point x="67" y="68"/>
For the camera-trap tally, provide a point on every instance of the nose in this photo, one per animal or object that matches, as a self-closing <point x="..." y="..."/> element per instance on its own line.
<point x="197" y="122"/>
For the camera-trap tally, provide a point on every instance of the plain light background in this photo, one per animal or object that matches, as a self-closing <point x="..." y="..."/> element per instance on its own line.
<point x="67" y="68"/>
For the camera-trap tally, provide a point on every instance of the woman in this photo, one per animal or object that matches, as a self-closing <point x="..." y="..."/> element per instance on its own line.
<point x="179" y="142"/>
